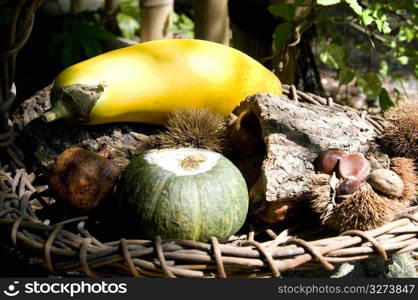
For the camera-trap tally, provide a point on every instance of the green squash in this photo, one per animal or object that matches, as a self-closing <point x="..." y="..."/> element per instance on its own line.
<point x="183" y="193"/>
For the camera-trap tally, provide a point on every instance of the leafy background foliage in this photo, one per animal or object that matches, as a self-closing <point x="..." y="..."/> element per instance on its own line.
<point x="365" y="43"/>
<point x="78" y="37"/>
<point x="384" y="33"/>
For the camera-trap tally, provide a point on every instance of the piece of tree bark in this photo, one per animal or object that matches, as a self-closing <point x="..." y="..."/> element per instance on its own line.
<point x="42" y="142"/>
<point x="293" y="134"/>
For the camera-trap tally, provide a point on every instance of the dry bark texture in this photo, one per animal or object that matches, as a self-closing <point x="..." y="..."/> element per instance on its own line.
<point x="43" y="142"/>
<point x="293" y="134"/>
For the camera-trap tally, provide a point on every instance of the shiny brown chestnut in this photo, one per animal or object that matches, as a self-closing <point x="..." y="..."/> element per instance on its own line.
<point x="328" y="159"/>
<point x="353" y="166"/>
<point x="349" y="186"/>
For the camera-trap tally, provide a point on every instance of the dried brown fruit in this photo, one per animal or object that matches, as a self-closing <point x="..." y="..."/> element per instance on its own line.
<point x="82" y="178"/>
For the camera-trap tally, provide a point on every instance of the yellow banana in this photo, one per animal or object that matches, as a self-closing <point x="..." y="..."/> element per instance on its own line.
<point x="145" y="82"/>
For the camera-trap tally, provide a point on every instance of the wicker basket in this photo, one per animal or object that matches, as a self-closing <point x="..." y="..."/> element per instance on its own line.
<point x="68" y="247"/>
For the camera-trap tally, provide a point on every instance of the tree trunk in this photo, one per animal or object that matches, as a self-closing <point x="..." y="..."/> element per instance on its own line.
<point x="155" y="19"/>
<point x="252" y="26"/>
<point x="212" y="21"/>
<point x="307" y="74"/>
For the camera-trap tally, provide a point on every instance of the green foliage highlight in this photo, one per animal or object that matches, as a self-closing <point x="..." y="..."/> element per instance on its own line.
<point x="384" y="100"/>
<point x="127" y="25"/>
<point x="345" y="75"/>
<point x="388" y="33"/>
<point x="128" y="19"/>
<point x="370" y="85"/>
<point x="284" y="11"/>
<point x="333" y="55"/>
<point x="328" y="2"/>
<point x="80" y="38"/>
<point x="282" y="34"/>
<point x="182" y="26"/>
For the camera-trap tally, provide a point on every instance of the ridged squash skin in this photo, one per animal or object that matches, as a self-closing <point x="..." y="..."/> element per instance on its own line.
<point x="146" y="81"/>
<point x="156" y="201"/>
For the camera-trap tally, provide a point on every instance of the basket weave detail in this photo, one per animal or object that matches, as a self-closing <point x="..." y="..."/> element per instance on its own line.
<point x="66" y="251"/>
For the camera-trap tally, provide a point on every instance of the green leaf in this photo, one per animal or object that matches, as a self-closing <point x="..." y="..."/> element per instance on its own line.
<point x="384" y="68"/>
<point x="345" y="75"/>
<point x="384" y="100"/>
<point x="355" y="6"/>
<point x="283" y="10"/>
<point x="97" y="32"/>
<point x="130" y="8"/>
<point x="282" y="34"/>
<point x="406" y="34"/>
<point x="370" y="85"/>
<point x="91" y="47"/>
<point x="181" y="25"/>
<point x="366" y="17"/>
<point x="127" y="25"/>
<point x="70" y="53"/>
<point x="382" y="22"/>
<point x="333" y="55"/>
<point x="327" y="2"/>
<point x="403" y="60"/>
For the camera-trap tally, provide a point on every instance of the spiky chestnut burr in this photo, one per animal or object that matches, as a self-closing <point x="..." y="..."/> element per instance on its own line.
<point x="363" y="210"/>
<point x="405" y="168"/>
<point x="400" y="137"/>
<point x="195" y="128"/>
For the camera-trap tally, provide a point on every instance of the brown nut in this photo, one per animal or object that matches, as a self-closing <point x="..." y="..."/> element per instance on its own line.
<point x="328" y="159"/>
<point x="349" y="186"/>
<point x="82" y="178"/>
<point x="387" y="182"/>
<point x="354" y="166"/>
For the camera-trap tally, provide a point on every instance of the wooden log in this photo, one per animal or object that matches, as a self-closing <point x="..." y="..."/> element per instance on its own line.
<point x="42" y="142"/>
<point x="288" y="136"/>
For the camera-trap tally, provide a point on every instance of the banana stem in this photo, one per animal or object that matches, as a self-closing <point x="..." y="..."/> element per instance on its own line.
<point x="58" y="111"/>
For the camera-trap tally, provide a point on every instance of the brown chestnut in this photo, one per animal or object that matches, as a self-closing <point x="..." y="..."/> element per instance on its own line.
<point x="82" y="178"/>
<point x="349" y="186"/>
<point x="328" y="159"/>
<point x="353" y="166"/>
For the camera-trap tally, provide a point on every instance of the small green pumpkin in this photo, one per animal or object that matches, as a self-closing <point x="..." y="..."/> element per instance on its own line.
<point x="184" y="193"/>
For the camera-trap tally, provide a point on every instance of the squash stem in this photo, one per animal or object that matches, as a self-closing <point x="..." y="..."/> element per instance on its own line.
<point x="58" y="111"/>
